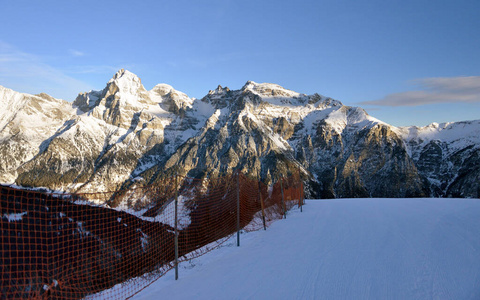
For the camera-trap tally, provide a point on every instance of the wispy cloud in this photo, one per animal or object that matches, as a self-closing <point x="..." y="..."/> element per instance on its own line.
<point x="435" y="90"/>
<point x="28" y="73"/>
<point x="76" y="52"/>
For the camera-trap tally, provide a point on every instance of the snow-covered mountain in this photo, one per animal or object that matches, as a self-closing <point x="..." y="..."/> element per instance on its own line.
<point x="447" y="156"/>
<point x="125" y="136"/>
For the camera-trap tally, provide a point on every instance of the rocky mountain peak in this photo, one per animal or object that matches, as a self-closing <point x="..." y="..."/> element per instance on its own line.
<point x="220" y="97"/>
<point x="46" y="97"/>
<point x="163" y="89"/>
<point x="125" y="82"/>
<point x="122" y="83"/>
<point x="269" y="90"/>
<point x="170" y="99"/>
<point x="124" y="76"/>
<point x="321" y="101"/>
<point x="219" y="91"/>
<point x="249" y="85"/>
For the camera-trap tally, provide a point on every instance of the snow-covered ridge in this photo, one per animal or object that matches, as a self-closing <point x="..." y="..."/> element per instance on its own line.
<point x="270" y="90"/>
<point x="163" y="89"/>
<point x="354" y="117"/>
<point x="458" y="134"/>
<point x="11" y="102"/>
<point x="32" y="115"/>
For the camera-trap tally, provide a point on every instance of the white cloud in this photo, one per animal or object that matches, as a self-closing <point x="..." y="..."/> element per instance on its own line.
<point x="76" y="52"/>
<point x="464" y="89"/>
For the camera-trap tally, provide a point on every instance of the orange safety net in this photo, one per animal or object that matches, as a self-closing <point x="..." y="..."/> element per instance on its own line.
<point x="61" y="246"/>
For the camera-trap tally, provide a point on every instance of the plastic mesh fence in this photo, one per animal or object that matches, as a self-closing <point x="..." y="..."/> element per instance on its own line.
<point x="60" y="246"/>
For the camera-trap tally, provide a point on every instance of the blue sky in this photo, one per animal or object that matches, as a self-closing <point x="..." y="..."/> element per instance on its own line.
<point x="405" y="62"/>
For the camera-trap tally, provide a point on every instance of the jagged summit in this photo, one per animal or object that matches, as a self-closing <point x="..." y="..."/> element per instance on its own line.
<point x="122" y="73"/>
<point x="270" y="90"/>
<point x="163" y="89"/>
<point x="125" y="89"/>
<point x="125" y="82"/>
<point x="219" y="90"/>
<point x="125" y="76"/>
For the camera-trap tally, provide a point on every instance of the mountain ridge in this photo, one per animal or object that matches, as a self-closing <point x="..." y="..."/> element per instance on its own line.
<point x="125" y="136"/>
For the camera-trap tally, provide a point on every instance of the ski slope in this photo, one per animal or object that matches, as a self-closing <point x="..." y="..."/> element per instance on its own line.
<point x="344" y="249"/>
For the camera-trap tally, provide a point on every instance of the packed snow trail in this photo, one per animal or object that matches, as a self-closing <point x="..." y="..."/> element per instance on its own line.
<point x="344" y="249"/>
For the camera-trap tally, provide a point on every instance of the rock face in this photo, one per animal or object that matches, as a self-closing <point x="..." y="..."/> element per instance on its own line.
<point x="126" y="136"/>
<point x="447" y="157"/>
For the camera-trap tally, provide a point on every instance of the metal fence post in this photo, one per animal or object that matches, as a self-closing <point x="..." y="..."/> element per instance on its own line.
<point x="301" y="196"/>
<point x="283" y="199"/>
<point x="176" y="226"/>
<point x="300" y="189"/>
<point x="238" y="209"/>
<point x="261" y="203"/>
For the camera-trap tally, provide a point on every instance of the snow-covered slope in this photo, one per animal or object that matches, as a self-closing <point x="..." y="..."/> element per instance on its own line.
<point x="457" y="135"/>
<point x="344" y="249"/>
<point x="26" y="123"/>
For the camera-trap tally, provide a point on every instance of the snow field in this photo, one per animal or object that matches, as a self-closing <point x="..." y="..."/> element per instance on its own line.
<point x="344" y="249"/>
